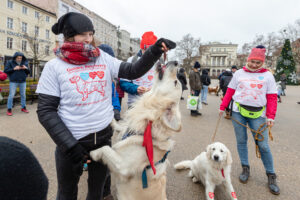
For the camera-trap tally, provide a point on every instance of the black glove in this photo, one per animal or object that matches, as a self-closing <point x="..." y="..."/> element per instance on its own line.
<point x="158" y="45"/>
<point x="117" y="115"/>
<point x="78" y="155"/>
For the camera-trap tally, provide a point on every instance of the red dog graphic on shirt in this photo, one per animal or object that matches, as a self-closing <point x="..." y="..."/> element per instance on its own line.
<point x="87" y="87"/>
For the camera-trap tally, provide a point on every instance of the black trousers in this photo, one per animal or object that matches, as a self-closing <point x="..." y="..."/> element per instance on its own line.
<point x="97" y="172"/>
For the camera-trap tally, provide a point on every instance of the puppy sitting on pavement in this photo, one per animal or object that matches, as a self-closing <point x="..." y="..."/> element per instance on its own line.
<point x="212" y="168"/>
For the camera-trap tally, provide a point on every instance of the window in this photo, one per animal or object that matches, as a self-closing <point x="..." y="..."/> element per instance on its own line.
<point x="36" y="30"/>
<point x="10" y="4"/>
<point x="10" y="23"/>
<point x="65" y="9"/>
<point x="36" y="48"/>
<point x="47" y="50"/>
<point x="47" y="19"/>
<point x="37" y="14"/>
<point x="229" y="63"/>
<point x="24" y="27"/>
<point x="24" y="45"/>
<point x="24" y="10"/>
<point x="9" y="42"/>
<point x="47" y="34"/>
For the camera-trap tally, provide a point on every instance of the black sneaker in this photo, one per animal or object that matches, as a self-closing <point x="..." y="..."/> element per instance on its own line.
<point x="245" y="174"/>
<point x="274" y="189"/>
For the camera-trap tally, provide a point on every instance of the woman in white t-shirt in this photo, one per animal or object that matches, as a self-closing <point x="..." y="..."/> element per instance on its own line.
<point x="254" y="94"/>
<point x="75" y="91"/>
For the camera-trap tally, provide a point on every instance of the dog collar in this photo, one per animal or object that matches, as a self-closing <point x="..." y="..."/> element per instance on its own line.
<point x="222" y="171"/>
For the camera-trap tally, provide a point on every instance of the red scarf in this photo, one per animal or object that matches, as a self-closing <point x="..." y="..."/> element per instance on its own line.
<point x="77" y="53"/>
<point x="148" y="145"/>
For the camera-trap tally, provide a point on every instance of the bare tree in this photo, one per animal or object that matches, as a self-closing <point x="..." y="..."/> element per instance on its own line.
<point x="186" y="49"/>
<point x="272" y="43"/>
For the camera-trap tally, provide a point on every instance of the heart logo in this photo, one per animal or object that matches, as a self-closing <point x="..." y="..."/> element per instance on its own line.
<point x="259" y="86"/>
<point x="252" y="85"/>
<point x="233" y="195"/>
<point x="261" y="78"/>
<point x="93" y="74"/>
<point x="84" y="76"/>
<point x="150" y="77"/>
<point x="100" y="74"/>
<point x="211" y="195"/>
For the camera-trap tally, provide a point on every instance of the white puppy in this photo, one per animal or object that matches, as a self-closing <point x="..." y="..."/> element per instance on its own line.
<point x="212" y="168"/>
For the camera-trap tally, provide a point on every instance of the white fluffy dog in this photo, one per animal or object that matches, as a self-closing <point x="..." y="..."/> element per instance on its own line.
<point x="212" y="168"/>
<point x="129" y="163"/>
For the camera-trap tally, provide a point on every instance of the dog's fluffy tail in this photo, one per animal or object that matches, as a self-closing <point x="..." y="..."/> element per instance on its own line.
<point x="186" y="164"/>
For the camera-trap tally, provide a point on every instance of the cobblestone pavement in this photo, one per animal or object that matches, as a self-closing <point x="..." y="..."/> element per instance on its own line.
<point x="192" y="140"/>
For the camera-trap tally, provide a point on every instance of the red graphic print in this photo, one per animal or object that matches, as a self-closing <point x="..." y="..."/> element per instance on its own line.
<point x="150" y="77"/>
<point x="259" y="86"/>
<point x="211" y="195"/>
<point x="233" y="195"/>
<point x="93" y="74"/>
<point x="253" y="85"/>
<point x="87" y="87"/>
<point x="100" y="74"/>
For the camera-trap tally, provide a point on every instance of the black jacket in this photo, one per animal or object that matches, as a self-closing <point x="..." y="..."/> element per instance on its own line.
<point x="225" y="80"/>
<point x="205" y="79"/>
<point x="182" y="78"/>
<point x="18" y="76"/>
<point x="48" y="105"/>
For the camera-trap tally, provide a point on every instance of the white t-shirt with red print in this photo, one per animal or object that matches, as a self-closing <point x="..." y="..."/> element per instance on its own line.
<point x="251" y="88"/>
<point x="85" y="92"/>
<point x="146" y="81"/>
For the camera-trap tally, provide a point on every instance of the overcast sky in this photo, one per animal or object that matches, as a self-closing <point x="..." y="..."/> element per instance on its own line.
<point x="236" y="21"/>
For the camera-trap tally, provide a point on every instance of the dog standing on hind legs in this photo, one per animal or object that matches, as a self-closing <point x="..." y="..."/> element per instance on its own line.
<point x="212" y="168"/>
<point x="149" y="124"/>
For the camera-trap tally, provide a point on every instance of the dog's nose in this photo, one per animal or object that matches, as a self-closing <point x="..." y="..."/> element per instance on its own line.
<point x="216" y="157"/>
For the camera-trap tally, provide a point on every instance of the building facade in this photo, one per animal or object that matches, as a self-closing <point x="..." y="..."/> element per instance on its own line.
<point x="26" y="28"/>
<point x="105" y="32"/>
<point x="216" y="57"/>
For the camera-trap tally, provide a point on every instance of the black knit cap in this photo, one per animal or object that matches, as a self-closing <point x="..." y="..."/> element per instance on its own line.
<point x="21" y="176"/>
<point x="72" y="24"/>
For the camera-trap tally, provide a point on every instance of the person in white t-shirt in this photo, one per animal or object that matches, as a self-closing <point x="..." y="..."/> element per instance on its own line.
<point x="139" y="86"/>
<point x="254" y="94"/>
<point x="74" y="106"/>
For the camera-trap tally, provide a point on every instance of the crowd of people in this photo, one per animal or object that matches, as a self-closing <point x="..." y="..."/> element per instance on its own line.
<point x="66" y="108"/>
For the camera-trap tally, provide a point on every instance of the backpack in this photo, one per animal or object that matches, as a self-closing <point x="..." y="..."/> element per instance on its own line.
<point x="227" y="80"/>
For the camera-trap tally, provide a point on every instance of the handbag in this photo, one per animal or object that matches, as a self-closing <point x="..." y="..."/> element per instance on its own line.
<point x="250" y="111"/>
<point x="192" y="102"/>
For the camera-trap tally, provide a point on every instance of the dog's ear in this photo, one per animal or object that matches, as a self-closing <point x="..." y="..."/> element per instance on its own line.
<point x="171" y="118"/>
<point x="208" y="152"/>
<point x="228" y="158"/>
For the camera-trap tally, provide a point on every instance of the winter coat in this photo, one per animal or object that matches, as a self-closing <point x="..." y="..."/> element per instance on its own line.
<point x="115" y="98"/>
<point x="18" y="76"/>
<point x="225" y="80"/>
<point x="283" y="82"/>
<point x="119" y="90"/>
<point x="195" y="80"/>
<point x="205" y="79"/>
<point x="182" y="78"/>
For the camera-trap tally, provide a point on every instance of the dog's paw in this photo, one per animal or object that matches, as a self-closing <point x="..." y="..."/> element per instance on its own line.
<point x="96" y="155"/>
<point x="190" y="174"/>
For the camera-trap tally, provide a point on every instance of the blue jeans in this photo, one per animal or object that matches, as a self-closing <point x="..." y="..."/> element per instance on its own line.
<point x="204" y="93"/>
<point x="242" y="138"/>
<point x="12" y="91"/>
